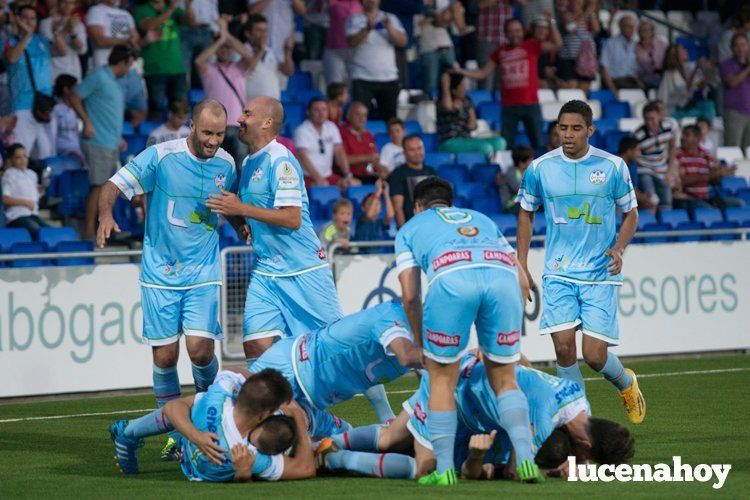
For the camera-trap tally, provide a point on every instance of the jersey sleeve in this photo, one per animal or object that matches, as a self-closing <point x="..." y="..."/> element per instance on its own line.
<point x="623" y="191"/>
<point x="404" y="256"/>
<point x="268" y="468"/>
<point x="286" y="184"/>
<point x="139" y="175"/>
<point x="391" y="327"/>
<point x="529" y="193"/>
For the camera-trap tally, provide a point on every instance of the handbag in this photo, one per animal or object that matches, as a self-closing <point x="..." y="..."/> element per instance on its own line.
<point x="43" y="104"/>
<point x="586" y="62"/>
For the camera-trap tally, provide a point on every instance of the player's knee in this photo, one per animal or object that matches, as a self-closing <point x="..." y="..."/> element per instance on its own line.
<point x="565" y="353"/>
<point x="202" y="358"/>
<point x="165" y="356"/>
<point x="595" y="359"/>
<point x="255" y="348"/>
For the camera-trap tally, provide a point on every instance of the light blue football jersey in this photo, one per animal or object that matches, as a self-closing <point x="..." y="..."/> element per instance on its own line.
<point x="272" y="178"/>
<point x="445" y="239"/>
<point x="351" y="355"/>
<point x="579" y="199"/>
<point x="553" y="401"/>
<point x="181" y="245"/>
<point x="213" y="411"/>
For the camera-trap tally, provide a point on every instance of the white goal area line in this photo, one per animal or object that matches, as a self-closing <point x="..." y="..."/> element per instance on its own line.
<point x="409" y="391"/>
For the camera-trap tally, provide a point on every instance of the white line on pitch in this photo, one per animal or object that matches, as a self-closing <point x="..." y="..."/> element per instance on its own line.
<point x="408" y="391"/>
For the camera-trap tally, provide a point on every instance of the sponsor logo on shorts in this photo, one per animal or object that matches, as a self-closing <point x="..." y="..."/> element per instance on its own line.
<point x="321" y="253"/>
<point x="303" y="349"/>
<point x="468" y="231"/>
<point x="443" y="339"/>
<point x="499" y="256"/>
<point x="449" y="258"/>
<point x="597" y="177"/>
<point x="419" y="413"/>
<point x="509" y="338"/>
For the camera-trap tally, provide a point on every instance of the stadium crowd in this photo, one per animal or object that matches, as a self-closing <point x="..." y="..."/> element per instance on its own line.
<point x="467" y="90"/>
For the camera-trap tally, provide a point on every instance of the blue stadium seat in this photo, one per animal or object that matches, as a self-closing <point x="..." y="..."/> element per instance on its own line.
<point x="739" y="215"/>
<point x="523" y="140"/>
<point x="471" y="158"/>
<point x="74" y="246"/>
<point x="58" y="165"/>
<point x="612" y="140"/>
<point x="488" y="111"/>
<point x="377" y="127"/>
<point x="496" y="95"/>
<point x="689" y="226"/>
<point x="540" y="224"/>
<point x="673" y="217"/>
<point x="744" y="194"/>
<point x="318" y="224"/>
<point x="412" y="127"/>
<point x="478" y="96"/>
<point x="29" y="247"/>
<point x="147" y="127"/>
<point x="605" y="125"/>
<point x="724" y="225"/>
<point x="455" y="174"/>
<point x="649" y="228"/>
<point x="127" y="128"/>
<point x="506" y="222"/>
<point x="324" y="194"/>
<point x="616" y="110"/>
<point x="357" y="194"/>
<point x="733" y="184"/>
<point x="126" y="217"/>
<point x="304" y="96"/>
<point x="300" y="80"/>
<point x="645" y="218"/>
<point x="707" y="216"/>
<point x="73" y="188"/>
<point x="434" y="160"/>
<point x="470" y="190"/>
<point x="598" y="139"/>
<point x="54" y="235"/>
<point x="9" y="236"/>
<point x="603" y="96"/>
<point x="430" y="142"/>
<point x="381" y="140"/>
<point x="488" y="205"/>
<point x="136" y="144"/>
<point x="485" y="173"/>
<point x="294" y="114"/>
<point x="195" y="96"/>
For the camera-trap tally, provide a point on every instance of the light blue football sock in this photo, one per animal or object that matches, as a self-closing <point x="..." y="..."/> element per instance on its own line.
<point x="166" y="385"/>
<point x="514" y="418"/>
<point x="384" y="465"/>
<point x="363" y="438"/>
<point x="150" y="424"/>
<point x="615" y="373"/>
<point x="572" y="372"/>
<point x="205" y="375"/>
<point x="441" y="427"/>
<point x="379" y="400"/>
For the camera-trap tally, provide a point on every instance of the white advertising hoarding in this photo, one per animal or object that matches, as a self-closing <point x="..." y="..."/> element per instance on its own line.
<point x="73" y="329"/>
<point x="687" y="297"/>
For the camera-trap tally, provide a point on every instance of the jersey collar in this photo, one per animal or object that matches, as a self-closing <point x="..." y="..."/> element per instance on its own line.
<point x="578" y="160"/>
<point x="263" y="149"/>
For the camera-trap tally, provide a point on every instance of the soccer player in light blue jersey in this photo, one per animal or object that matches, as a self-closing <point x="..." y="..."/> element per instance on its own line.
<point x="473" y="279"/>
<point x="180" y="270"/>
<point x="580" y="188"/>
<point x="291" y="289"/>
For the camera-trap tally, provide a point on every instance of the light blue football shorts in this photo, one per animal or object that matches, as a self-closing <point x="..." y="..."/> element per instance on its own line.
<point x="167" y="314"/>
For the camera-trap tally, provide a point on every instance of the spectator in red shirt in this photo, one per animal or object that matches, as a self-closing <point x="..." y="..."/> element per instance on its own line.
<point x="698" y="172"/>
<point x="491" y="18"/>
<point x="359" y="144"/>
<point x="519" y="82"/>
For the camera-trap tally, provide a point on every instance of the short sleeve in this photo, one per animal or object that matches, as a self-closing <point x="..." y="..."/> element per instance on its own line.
<point x="395" y="22"/>
<point x="267" y="468"/>
<point x="495" y="57"/>
<point x="355" y="24"/>
<point x="392" y="330"/>
<point x="139" y="175"/>
<point x="81" y="35"/>
<point x="286" y="184"/>
<point x="623" y="191"/>
<point x="45" y="29"/>
<point x="95" y="17"/>
<point x="404" y="256"/>
<point x="335" y="134"/>
<point x="89" y="84"/>
<point x="529" y="193"/>
<point x="301" y="138"/>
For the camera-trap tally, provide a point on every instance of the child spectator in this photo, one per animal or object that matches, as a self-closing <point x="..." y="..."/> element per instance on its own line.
<point x="629" y="150"/>
<point x="704" y="125"/>
<point x="509" y="181"/>
<point x="175" y="127"/>
<point x="371" y="226"/>
<point x="339" y="230"/>
<point x="67" y="141"/>
<point x="338" y="96"/>
<point x="392" y="153"/>
<point x="21" y="192"/>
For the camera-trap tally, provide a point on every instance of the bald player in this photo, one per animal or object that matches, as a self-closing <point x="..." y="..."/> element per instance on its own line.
<point x="180" y="273"/>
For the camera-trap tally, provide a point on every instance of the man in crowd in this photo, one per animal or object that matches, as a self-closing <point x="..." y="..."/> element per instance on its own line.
<point x="264" y="69"/>
<point x="403" y="179"/>
<point x="359" y="145"/>
<point x="735" y="73"/>
<point x="618" y="59"/>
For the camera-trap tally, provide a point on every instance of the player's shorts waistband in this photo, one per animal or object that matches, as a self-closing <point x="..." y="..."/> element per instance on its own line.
<point x="473" y="266"/>
<point x="288" y="275"/>
<point x="185" y="287"/>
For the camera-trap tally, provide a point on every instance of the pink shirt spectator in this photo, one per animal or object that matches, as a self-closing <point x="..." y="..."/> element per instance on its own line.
<point x="338" y="12"/>
<point x="216" y="87"/>
<point x="651" y="60"/>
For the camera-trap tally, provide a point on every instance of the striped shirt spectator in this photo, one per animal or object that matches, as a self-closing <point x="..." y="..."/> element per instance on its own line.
<point x="655" y="147"/>
<point x="698" y="162"/>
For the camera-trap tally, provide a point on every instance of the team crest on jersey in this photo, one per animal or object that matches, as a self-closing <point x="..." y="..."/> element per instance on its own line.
<point x="597" y="177"/>
<point x="468" y="231"/>
<point x="509" y="338"/>
<point x="257" y="174"/>
<point x="303" y="356"/>
<point x="220" y="181"/>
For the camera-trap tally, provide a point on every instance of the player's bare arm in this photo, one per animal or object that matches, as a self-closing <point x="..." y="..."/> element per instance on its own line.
<point x="411" y="296"/>
<point x="107" y="197"/>
<point x="473" y="467"/>
<point x="629" y="226"/>
<point x="242" y="463"/>
<point x="302" y="464"/>
<point x="229" y="204"/>
<point x="178" y="412"/>
<point x="407" y="353"/>
<point x="525" y="230"/>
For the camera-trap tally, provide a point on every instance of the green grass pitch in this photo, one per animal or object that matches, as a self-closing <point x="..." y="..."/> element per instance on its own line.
<point x="704" y="417"/>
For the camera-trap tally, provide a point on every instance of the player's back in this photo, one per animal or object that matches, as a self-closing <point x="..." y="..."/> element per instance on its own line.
<point x="450" y="238"/>
<point x="272" y="178"/>
<point x="181" y="244"/>
<point x="347" y="357"/>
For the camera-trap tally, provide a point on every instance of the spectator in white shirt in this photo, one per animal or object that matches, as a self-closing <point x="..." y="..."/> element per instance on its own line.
<point x="67" y="36"/>
<point x="21" y="192"/>
<point x="67" y="139"/>
<point x="373" y="36"/>
<point x="195" y="39"/>
<point x="280" y="15"/>
<point x="175" y="127"/>
<point x="618" y="59"/>
<point x="263" y="78"/>
<point x="318" y="143"/>
<point x="392" y="153"/>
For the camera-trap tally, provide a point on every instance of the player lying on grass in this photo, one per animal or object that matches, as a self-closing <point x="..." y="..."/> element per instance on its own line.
<point x="554" y="403"/>
<point x="347" y="357"/>
<point x="229" y="433"/>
